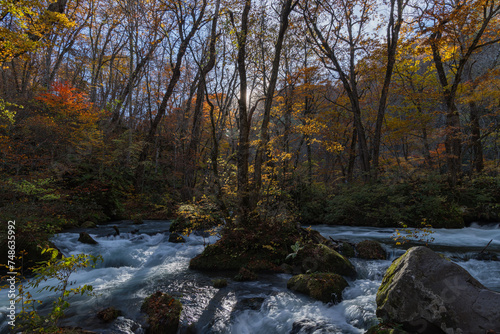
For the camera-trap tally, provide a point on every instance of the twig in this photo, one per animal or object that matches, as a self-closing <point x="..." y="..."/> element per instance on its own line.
<point x="486" y="247"/>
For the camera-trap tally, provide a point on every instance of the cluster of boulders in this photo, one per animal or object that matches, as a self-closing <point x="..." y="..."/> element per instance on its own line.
<point x="422" y="292"/>
<point x="320" y="267"/>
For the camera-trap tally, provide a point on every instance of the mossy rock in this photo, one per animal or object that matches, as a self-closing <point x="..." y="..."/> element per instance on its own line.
<point x="321" y="258"/>
<point x="108" y="314"/>
<point x="346" y="249"/>
<point x="86" y="239"/>
<point x="325" y="287"/>
<point x="88" y="224"/>
<point x="371" y="250"/>
<point x="163" y="312"/>
<point x="215" y="257"/>
<point x="256" y="249"/>
<point x="220" y="283"/>
<point x="138" y="220"/>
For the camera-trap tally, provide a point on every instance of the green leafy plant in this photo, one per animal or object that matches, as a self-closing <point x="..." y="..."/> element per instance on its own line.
<point x="296" y="248"/>
<point x="59" y="268"/>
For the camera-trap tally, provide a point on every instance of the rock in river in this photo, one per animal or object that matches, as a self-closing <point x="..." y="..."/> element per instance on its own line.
<point x="326" y="287"/>
<point x="371" y="250"/>
<point x="321" y="258"/>
<point x="86" y="239"/>
<point x="429" y="294"/>
<point x="163" y="313"/>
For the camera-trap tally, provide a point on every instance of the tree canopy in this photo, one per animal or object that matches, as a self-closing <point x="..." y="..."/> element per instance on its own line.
<point x="251" y="102"/>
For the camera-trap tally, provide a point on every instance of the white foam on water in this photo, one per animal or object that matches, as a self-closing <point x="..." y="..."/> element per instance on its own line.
<point x="136" y="265"/>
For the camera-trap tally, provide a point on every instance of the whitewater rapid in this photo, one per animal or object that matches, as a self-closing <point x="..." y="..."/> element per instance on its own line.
<point x="138" y="263"/>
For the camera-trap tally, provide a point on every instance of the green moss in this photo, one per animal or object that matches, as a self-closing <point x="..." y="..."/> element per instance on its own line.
<point x="263" y="248"/>
<point x="88" y="224"/>
<point x="347" y="249"/>
<point x="321" y="258"/>
<point x="325" y="287"/>
<point x="386" y="281"/>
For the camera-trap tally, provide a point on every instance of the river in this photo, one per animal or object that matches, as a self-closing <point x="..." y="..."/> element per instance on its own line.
<point x="137" y="264"/>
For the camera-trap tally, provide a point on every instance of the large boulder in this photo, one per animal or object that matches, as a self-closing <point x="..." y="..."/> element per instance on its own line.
<point x="371" y="250"/>
<point x="326" y="287"/>
<point x="428" y="294"/>
<point x="86" y="239"/>
<point x="88" y="224"/>
<point x="321" y="258"/>
<point x="256" y="249"/>
<point x="163" y="312"/>
<point x="108" y="314"/>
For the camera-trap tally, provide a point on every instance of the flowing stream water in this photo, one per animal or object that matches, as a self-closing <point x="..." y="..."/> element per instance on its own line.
<point x="138" y="264"/>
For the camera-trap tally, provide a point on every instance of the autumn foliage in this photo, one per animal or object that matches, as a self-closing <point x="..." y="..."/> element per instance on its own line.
<point x="138" y="109"/>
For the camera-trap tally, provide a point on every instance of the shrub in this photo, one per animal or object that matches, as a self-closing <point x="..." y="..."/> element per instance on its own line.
<point x="59" y="268"/>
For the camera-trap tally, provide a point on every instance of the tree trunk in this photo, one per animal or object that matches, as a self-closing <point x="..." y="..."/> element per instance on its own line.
<point x="190" y="174"/>
<point x="453" y="143"/>
<point x="264" y="136"/>
<point x="244" y="121"/>
<point x="393" y="29"/>
<point x="352" y="155"/>
<point x="176" y="73"/>
<point x="477" y="146"/>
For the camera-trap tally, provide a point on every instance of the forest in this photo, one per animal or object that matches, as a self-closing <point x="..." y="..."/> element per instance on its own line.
<point x="306" y="110"/>
<point x="257" y="116"/>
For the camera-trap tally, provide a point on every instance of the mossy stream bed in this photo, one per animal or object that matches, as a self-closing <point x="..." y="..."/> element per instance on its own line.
<point x="139" y="263"/>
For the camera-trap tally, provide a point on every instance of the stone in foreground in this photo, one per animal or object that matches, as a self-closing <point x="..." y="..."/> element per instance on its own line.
<point x="429" y="294"/>
<point x="163" y="313"/>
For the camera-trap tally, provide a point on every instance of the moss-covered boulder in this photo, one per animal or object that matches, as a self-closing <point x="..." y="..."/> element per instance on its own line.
<point x="163" y="312"/>
<point x="220" y="283"/>
<point x="325" y="287"/>
<point x="426" y="293"/>
<point x="88" y="224"/>
<point x="86" y="239"/>
<point x="346" y="249"/>
<point x="321" y="258"/>
<point x="260" y="248"/>
<point x="108" y="314"/>
<point x="371" y="250"/>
